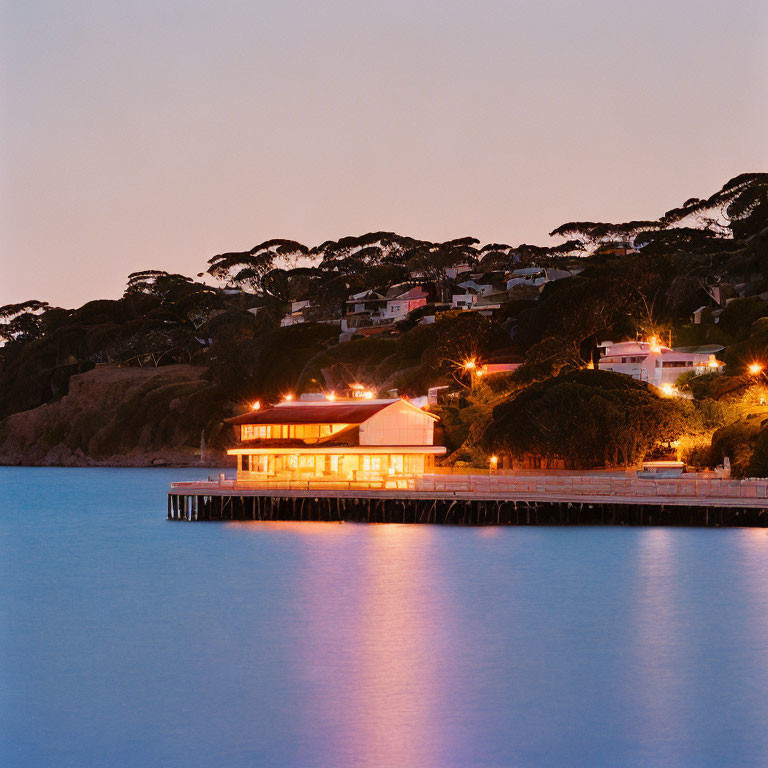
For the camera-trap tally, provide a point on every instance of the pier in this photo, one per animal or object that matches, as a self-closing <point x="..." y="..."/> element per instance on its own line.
<point x="483" y="499"/>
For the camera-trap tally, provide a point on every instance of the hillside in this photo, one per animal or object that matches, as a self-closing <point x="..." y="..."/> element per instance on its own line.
<point x="147" y="376"/>
<point x="112" y="416"/>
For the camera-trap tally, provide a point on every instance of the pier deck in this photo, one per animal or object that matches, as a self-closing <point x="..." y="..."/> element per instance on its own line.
<point x="483" y="499"/>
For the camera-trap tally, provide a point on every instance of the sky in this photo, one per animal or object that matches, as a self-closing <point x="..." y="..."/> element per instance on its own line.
<point x="138" y="135"/>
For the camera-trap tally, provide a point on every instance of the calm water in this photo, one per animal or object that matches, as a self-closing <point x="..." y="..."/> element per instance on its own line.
<point x="126" y="640"/>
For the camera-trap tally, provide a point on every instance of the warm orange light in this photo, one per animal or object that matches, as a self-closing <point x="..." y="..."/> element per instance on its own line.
<point x="470" y="365"/>
<point x="590" y="366"/>
<point x="480" y="373"/>
<point x="667" y="390"/>
<point x="368" y="395"/>
<point x="288" y="398"/>
<point x="256" y="405"/>
<point x="712" y="362"/>
<point x="494" y="460"/>
<point x="654" y="342"/>
<point x="330" y="396"/>
<point x="755" y="369"/>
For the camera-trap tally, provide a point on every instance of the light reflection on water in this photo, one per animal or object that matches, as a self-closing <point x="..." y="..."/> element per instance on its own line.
<point x="128" y="640"/>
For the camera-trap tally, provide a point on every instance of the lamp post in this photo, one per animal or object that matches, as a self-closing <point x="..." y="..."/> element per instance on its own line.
<point x="471" y="366"/>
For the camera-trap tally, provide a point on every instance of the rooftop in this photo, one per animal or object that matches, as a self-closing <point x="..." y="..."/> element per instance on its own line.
<point x="346" y="412"/>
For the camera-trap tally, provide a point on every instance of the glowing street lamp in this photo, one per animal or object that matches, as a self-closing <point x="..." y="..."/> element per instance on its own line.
<point x="470" y="365"/>
<point x="255" y="405"/>
<point x="654" y="342"/>
<point x="667" y="390"/>
<point x="330" y="396"/>
<point x="287" y="398"/>
<point x="494" y="463"/>
<point x="755" y="369"/>
<point x="368" y="395"/>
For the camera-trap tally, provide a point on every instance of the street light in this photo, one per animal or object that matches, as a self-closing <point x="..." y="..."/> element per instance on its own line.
<point x="255" y="405"/>
<point x="470" y="365"/>
<point x="755" y="369"/>
<point x="288" y="398"/>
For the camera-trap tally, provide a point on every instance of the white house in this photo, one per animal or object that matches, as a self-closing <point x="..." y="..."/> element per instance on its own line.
<point x="465" y="300"/>
<point x="296" y="315"/>
<point x="484" y="289"/>
<point x="319" y="442"/>
<point x="654" y="362"/>
<point x="399" y="306"/>
<point x="536" y="276"/>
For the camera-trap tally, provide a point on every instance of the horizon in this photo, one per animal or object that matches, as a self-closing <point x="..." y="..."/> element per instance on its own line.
<point x="159" y="135"/>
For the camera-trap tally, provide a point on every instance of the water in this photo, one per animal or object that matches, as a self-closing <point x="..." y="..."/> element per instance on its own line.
<point x="126" y="640"/>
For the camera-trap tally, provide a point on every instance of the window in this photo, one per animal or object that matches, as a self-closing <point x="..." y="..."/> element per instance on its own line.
<point x="372" y="463"/>
<point x="256" y="464"/>
<point x="306" y="462"/>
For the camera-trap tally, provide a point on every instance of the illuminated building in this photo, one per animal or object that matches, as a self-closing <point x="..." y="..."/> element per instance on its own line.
<point x="368" y="440"/>
<point x="654" y="362"/>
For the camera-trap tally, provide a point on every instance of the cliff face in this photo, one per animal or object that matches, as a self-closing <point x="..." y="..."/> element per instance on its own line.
<point x="121" y="417"/>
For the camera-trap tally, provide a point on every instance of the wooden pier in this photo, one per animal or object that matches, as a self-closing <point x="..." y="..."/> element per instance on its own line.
<point x="575" y="500"/>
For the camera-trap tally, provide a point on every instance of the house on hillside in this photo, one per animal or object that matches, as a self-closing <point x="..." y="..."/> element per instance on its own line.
<point x="378" y="441"/>
<point x="656" y="363"/>
<point x="464" y="300"/>
<point x="296" y="315"/>
<point x="536" y="276"/>
<point x="482" y="289"/>
<point x="399" y="305"/>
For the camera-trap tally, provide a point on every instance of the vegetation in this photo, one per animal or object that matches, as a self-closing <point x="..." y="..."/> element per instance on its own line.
<point x="617" y="280"/>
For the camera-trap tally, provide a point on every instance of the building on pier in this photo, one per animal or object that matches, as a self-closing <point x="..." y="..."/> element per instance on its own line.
<point x="388" y="441"/>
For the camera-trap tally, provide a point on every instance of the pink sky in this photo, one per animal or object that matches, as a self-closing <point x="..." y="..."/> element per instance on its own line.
<point x="157" y="134"/>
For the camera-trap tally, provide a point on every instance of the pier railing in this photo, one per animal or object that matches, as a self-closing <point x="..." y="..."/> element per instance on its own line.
<point x="511" y="485"/>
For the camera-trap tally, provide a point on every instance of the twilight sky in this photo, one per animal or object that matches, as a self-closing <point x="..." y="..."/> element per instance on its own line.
<point x="155" y="134"/>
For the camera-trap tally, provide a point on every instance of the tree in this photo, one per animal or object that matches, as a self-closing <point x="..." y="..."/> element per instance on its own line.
<point x="248" y="268"/>
<point x="586" y="418"/>
<point x="432" y="260"/>
<point x="741" y="206"/>
<point x="22" y="322"/>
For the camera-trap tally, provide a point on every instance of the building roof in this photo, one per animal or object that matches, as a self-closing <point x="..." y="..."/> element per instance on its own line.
<point x="314" y="413"/>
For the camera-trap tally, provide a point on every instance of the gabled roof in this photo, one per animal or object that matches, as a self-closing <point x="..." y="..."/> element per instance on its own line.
<point x="314" y="413"/>
<point x="356" y="298"/>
